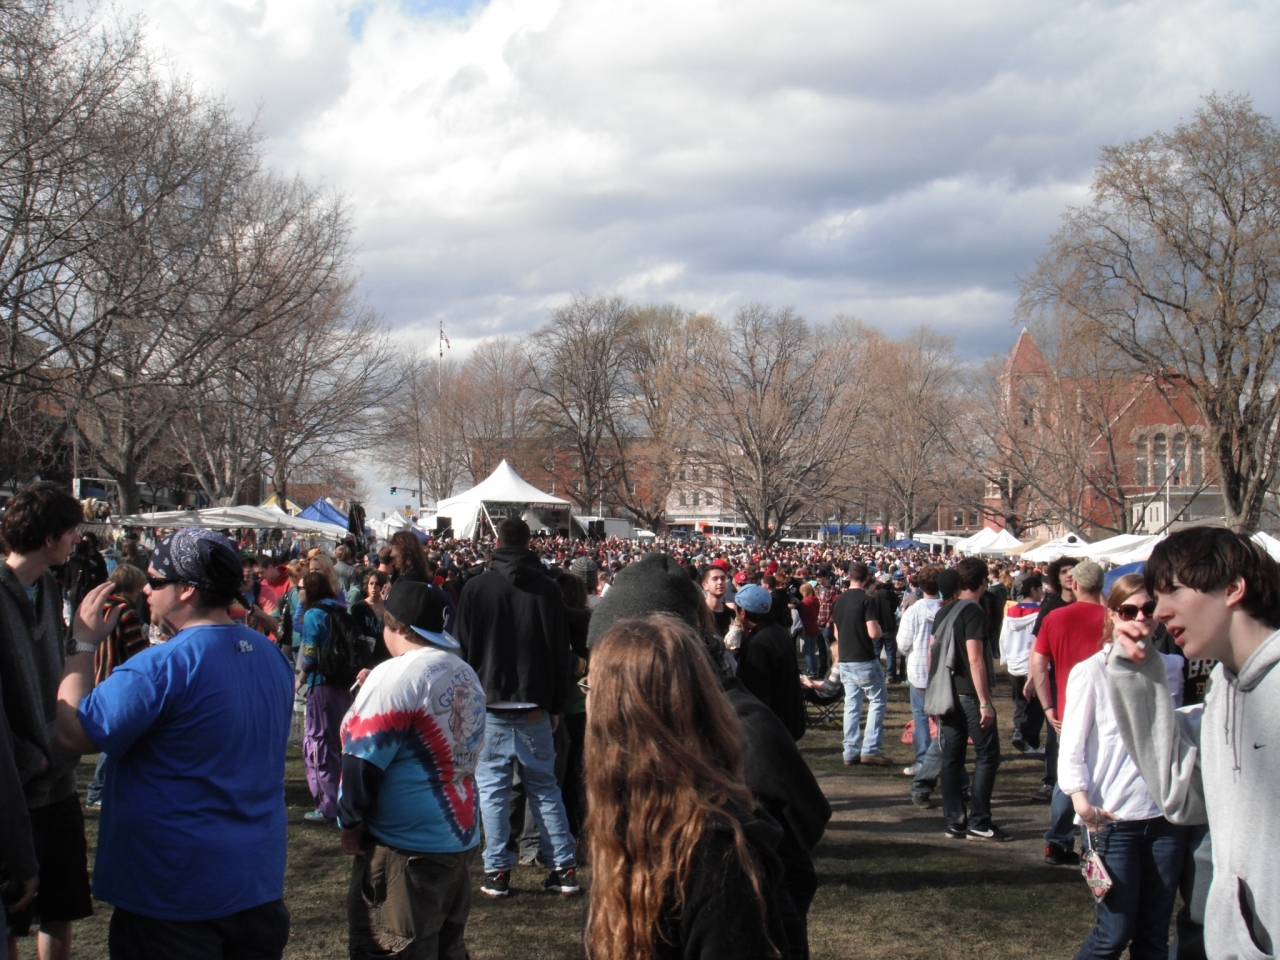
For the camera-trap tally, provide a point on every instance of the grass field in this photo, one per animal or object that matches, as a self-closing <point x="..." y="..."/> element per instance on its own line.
<point x="890" y="884"/>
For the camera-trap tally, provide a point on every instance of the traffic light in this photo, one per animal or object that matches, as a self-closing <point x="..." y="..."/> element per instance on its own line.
<point x="393" y="491"/>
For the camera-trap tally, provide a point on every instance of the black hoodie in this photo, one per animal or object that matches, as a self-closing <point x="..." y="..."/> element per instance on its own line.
<point x="511" y="624"/>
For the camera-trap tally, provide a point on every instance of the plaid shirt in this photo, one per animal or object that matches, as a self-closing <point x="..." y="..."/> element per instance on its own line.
<point x="827" y="597"/>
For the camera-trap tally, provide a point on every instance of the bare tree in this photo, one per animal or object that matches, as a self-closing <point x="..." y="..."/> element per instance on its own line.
<point x="650" y="439"/>
<point x="1176" y="263"/>
<point x="492" y="409"/>
<point x="777" y="406"/>
<point x="578" y="374"/>
<point x="420" y="436"/>
<point x="914" y="410"/>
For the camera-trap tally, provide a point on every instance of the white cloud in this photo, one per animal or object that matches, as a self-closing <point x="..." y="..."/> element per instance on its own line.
<point x="905" y="162"/>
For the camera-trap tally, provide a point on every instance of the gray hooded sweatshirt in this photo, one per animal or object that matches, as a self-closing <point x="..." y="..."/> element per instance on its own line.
<point x="1216" y="763"/>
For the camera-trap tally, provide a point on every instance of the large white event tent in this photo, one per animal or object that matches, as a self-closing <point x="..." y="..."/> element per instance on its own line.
<point x="989" y="542"/>
<point x="503" y="493"/>
<point x="1072" y="543"/>
<point x="242" y="517"/>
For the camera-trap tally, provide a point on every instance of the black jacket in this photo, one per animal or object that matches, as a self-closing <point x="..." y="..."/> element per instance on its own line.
<point x="767" y="667"/>
<point x="511" y="625"/>
<point x="721" y="916"/>
<point x="775" y="772"/>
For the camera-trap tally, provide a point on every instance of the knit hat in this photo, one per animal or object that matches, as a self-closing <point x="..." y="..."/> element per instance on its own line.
<point x="948" y="582"/>
<point x="586" y="568"/>
<point x="656" y="583"/>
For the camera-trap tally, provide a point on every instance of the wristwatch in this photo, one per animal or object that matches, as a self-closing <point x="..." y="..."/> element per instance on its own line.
<point x="75" y="646"/>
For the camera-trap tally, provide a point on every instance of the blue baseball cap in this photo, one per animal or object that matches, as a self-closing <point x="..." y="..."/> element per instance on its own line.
<point x="753" y="598"/>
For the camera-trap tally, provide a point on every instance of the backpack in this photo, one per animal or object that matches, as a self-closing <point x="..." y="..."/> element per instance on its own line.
<point x="346" y="653"/>
<point x="940" y="694"/>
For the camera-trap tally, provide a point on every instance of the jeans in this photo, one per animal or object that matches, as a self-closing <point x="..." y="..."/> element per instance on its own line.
<point x="812" y="658"/>
<point x="524" y="737"/>
<point x="1050" y="756"/>
<point x="93" y="793"/>
<point x="860" y="678"/>
<point x="920" y="723"/>
<point x="1144" y="859"/>
<point x="523" y="823"/>
<point x="1062" y="821"/>
<point x="1028" y="715"/>
<point x="956" y="729"/>
<point x="824" y="651"/>
<point x="1197" y="871"/>
<point x="888" y="644"/>
<point x="926" y="777"/>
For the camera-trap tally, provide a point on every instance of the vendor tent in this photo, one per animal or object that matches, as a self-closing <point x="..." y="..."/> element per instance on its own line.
<point x="976" y="542"/>
<point x="1105" y="550"/>
<point x="1268" y="543"/>
<point x="290" y="507"/>
<point x="325" y="512"/>
<point x="907" y="544"/>
<point x="503" y="493"/>
<point x="242" y="517"/>
<point x="1071" y="544"/>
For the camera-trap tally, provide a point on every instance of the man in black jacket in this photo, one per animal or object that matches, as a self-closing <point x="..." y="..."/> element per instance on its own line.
<point x="767" y="659"/>
<point x="511" y="624"/>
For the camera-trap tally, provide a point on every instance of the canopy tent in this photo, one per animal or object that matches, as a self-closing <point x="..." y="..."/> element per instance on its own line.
<point x="907" y="544"/>
<point x="988" y="541"/>
<point x="1268" y="543"/>
<point x="975" y="542"/>
<point x="503" y="493"/>
<point x="1072" y="543"/>
<point x="393" y="523"/>
<point x="1105" y="550"/>
<point x="242" y="517"/>
<point x="1002" y="544"/>
<point x="1115" y="574"/>
<point x="325" y="512"/>
<point x="1138" y="551"/>
<point x="290" y="507"/>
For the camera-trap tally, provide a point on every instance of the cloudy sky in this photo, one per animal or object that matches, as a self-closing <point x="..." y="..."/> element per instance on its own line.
<point x="903" y="162"/>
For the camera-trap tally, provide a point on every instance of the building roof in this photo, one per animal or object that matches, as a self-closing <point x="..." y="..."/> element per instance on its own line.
<point x="1026" y="358"/>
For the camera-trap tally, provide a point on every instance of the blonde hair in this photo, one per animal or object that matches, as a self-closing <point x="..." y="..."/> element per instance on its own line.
<point x="326" y="567"/>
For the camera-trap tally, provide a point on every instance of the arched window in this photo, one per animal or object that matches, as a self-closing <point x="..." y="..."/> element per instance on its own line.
<point x="1178" y="465"/>
<point x="1140" y="463"/>
<point x="1196" y="457"/>
<point x="1159" y="458"/>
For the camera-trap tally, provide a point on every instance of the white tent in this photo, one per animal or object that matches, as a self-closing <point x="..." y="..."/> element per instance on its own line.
<point x="242" y="517"/>
<point x="504" y="490"/>
<point x="976" y="542"/>
<point x="1072" y="543"/>
<point x="1268" y="543"/>
<point x="1003" y="542"/>
<point x="1106" y="551"/>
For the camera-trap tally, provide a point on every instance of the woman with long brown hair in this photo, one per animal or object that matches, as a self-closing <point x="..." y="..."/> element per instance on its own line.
<point x="681" y="865"/>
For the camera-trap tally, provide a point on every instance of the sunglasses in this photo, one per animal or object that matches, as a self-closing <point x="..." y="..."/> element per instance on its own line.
<point x="159" y="583"/>
<point x="1130" y="611"/>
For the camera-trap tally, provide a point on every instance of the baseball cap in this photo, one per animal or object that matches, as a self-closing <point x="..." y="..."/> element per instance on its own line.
<point x="753" y="598"/>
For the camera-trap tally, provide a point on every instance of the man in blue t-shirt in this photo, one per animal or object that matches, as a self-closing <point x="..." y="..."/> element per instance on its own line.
<point x="191" y="842"/>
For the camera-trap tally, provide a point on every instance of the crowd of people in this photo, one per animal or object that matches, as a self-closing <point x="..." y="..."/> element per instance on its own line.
<point x="637" y="707"/>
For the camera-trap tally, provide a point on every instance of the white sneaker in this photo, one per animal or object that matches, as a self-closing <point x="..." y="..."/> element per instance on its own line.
<point x="1033" y="752"/>
<point x="911" y="771"/>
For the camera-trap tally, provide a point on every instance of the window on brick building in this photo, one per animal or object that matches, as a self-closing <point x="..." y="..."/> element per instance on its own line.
<point x="958" y="518"/>
<point x="695" y="498"/>
<point x="1159" y="459"/>
<point x="1196" y="456"/>
<point x="1140" y="463"/>
<point x="1178" y="463"/>
<point x="680" y="476"/>
<point x="631" y="487"/>
<point x="973" y="516"/>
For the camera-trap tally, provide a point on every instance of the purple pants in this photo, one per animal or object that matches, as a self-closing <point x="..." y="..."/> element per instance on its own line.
<point x="322" y="744"/>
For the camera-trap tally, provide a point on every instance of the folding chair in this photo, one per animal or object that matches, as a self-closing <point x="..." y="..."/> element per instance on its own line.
<point x="826" y="711"/>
